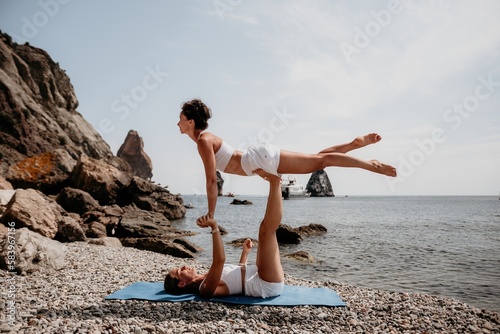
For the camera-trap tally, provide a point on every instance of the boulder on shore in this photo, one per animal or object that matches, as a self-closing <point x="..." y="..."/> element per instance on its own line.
<point x="151" y="197"/>
<point x="159" y="245"/>
<point x="33" y="252"/>
<point x="101" y="180"/>
<point x="137" y="223"/>
<point x="76" y="200"/>
<point x="47" y="172"/>
<point x="32" y="209"/>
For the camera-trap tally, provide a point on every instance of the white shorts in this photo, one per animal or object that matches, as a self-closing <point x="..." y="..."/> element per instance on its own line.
<point x="257" y="287"/>
<point x="263" y="156"/>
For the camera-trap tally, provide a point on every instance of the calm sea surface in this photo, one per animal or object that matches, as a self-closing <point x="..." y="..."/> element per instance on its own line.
<point x="440" y="245"/>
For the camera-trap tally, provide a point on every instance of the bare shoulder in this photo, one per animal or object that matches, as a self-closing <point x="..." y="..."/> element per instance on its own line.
<point x="208" y="139"/>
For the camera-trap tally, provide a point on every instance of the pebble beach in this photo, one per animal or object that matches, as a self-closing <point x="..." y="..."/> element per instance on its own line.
<point x="72" y="301"/>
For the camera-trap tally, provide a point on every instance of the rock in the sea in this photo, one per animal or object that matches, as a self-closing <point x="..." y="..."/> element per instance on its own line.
<point x="220" y="184"/>
<point x="311" y="229"/>
<point x="33" y="252"/>
<point x="132" y="151"/>
<point x="301" y="256"/>
<point x="289" y="235"/>
<point x="239" y="242"/>
<point x="241" y="202"/>
<point x="319" y="185"/>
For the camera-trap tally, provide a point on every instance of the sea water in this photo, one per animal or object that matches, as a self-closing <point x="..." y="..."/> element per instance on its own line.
<point x="439" y="245"/>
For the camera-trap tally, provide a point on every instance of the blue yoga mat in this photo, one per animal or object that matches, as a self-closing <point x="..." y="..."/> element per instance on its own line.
<point x="291" y="296"/>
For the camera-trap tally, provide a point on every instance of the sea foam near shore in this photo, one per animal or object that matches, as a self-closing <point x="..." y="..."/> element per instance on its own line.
<point x="72" y="301"/>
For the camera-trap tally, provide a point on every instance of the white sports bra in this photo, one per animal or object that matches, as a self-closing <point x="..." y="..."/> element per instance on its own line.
<point x="231" y="275"/>
<point x="223" y="155"/>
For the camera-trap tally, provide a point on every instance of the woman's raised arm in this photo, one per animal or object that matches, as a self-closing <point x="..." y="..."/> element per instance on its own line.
<point x="206" y="151"/>
<point x="209" y="286"/>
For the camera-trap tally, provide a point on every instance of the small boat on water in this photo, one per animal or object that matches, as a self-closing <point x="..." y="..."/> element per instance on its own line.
<point x="291" y="189"/>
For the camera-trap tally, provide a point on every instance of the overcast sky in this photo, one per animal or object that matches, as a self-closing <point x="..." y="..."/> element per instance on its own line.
<point x="303" y="75"/>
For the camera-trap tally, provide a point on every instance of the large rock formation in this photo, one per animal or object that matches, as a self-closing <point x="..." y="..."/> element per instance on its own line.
<point x="132" y="151"/>
<point x="48" y="151"/>
<point x="319" y="185"/>
<point x="38" y="108"/>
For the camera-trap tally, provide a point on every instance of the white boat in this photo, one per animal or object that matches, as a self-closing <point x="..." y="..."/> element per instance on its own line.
<point x="291" y="189"/>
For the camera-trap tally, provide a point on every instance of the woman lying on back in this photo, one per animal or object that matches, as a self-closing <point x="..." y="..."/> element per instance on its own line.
<point x="264" y="279"/>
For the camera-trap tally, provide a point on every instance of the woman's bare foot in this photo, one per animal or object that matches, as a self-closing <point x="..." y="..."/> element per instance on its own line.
<point x="383" y="168"/>
<point x="266" y="176"/>
<point x="368" y="139"/>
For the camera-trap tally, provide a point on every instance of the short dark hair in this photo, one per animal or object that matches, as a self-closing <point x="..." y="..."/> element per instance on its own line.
<point x="198" y="112"/>
<point x="171" y="286"/>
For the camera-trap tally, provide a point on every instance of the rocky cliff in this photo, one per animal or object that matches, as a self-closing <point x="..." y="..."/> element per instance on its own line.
<point x="59" y="178"/>
<point x="38" y="108"/>
<point x="319" y="185"/>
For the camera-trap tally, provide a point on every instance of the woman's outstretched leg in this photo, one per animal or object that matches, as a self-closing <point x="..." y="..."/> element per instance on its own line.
<point x="268" y="256"/>
<point x="358" y="142"/>
<point x="300" y="163"/>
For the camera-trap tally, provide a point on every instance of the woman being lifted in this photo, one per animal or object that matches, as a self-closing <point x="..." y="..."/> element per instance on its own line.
<point x="216" y="154"/>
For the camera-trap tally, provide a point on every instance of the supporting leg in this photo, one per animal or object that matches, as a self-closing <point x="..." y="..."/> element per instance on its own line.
<point x="268" y="255"/>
